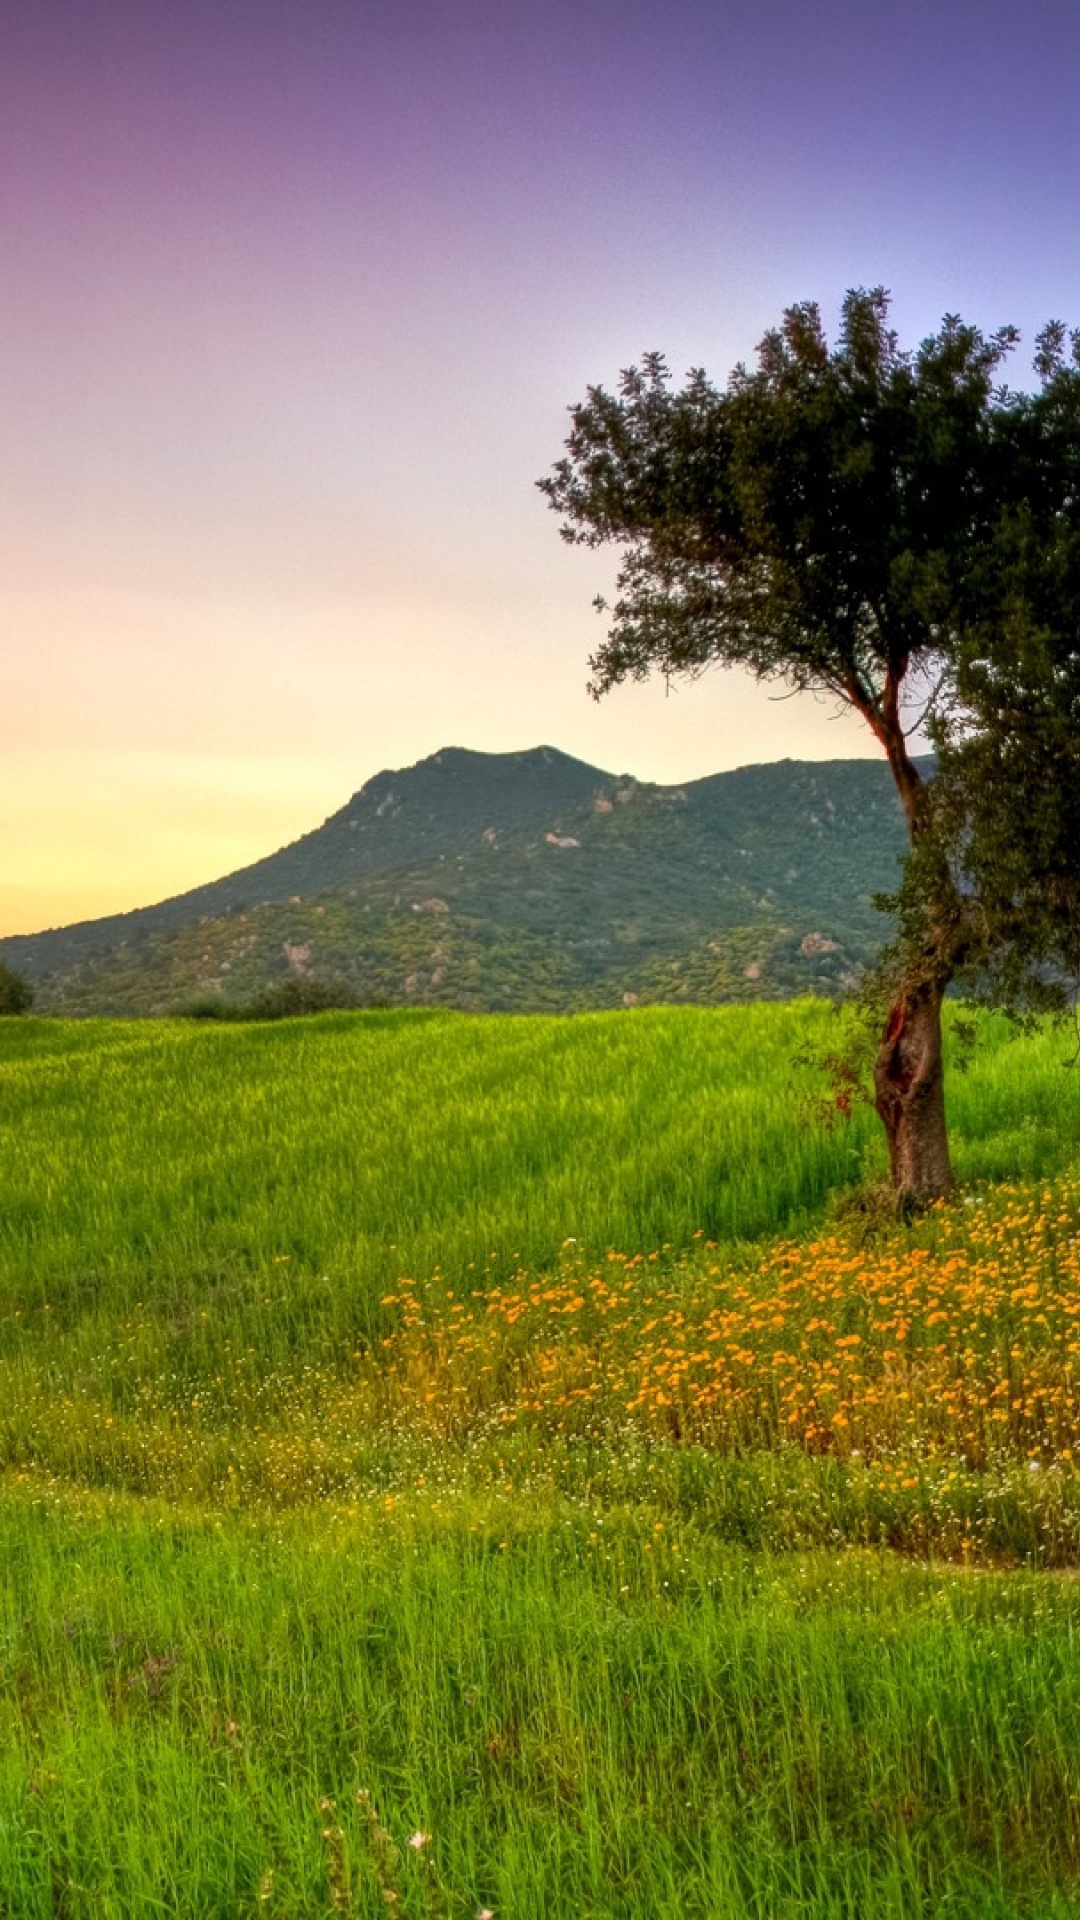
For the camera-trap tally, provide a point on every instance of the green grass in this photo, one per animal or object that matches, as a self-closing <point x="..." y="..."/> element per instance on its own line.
<point x="160" y="1155"/>
<point x="585" y="1715"/>
<point x="249" y="1573"/>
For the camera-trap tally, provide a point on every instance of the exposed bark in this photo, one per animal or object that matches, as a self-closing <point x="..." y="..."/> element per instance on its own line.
<point x="882" y="715"/>
<point x="909" y="1090"/>
<point x="909" y="1082"/>
<point x="910" y="784"/>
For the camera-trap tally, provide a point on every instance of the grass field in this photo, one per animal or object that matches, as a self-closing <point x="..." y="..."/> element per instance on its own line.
<point x="457" y="1465"/>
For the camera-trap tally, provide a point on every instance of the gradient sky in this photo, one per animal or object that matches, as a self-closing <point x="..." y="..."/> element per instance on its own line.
<point x="294" y="296"/>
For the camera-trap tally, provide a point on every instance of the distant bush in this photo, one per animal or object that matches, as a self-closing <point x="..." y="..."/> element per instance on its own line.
<point x="16" y="994"/>
<point x="208" y="1006"/>
<point x="283" y="1000"/>
<point x="298" y="994"/>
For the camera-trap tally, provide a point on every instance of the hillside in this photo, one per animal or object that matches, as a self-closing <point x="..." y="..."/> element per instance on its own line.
<point x="520" y="882"/>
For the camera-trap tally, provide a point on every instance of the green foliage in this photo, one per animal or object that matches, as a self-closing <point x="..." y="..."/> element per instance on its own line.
<point x="287" y="999"/>
<point x="16" y="994"/>
<point x="809" y="521"/>
<point x="301" y="994"/>
<point x="1008" y="738"/>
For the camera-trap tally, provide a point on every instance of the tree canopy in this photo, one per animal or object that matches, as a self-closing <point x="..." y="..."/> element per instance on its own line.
<point x="1007" y="732"/>
<point x="809" y="521"/>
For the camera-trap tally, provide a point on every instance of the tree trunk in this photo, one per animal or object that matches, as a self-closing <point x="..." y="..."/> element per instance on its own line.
<point x="909" y="1090"/>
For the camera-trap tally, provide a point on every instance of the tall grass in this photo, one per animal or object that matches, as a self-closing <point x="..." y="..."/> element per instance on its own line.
<point x="136" y="1155"/>
<point x="571" y="1710"/>
<point x="513" y="1585"/>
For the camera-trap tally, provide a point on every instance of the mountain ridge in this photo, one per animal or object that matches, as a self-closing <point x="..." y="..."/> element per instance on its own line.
<point x="552" y="883"/>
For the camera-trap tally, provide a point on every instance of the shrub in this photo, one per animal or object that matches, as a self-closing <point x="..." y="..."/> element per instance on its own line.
<point x="282" y="1000"/>
<point x="297" y="994"/>
<point x="16" y="994"/>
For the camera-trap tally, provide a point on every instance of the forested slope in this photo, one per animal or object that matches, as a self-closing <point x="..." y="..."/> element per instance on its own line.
<point x="525" y="881"/>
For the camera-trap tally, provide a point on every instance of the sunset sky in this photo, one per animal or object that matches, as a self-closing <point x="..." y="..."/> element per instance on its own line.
<point x="294" y="296"/>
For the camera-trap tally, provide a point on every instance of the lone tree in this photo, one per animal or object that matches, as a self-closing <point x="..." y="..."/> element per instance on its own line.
<point x="839" y="520"/>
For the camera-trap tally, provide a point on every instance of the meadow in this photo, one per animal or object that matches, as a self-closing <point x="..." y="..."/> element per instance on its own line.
<point x="457" y="1466"/>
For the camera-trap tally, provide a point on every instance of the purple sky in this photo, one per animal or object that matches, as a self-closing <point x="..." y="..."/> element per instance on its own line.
<point x="295" y="293"/>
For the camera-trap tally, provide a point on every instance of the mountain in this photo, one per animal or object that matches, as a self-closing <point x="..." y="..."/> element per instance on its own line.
<point x="520" y="881"/>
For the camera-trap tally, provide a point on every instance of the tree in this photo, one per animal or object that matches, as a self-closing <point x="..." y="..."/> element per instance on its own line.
<point x="817" y="522"/>
<point x="16" y="994"/>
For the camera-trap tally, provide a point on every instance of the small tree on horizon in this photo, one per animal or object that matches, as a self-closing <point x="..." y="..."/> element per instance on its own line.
<point x="16" y="993"/>
<point x="831" y="520"/>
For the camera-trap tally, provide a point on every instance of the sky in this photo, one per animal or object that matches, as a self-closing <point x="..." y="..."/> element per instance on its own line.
<point x="295" y="295"/>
